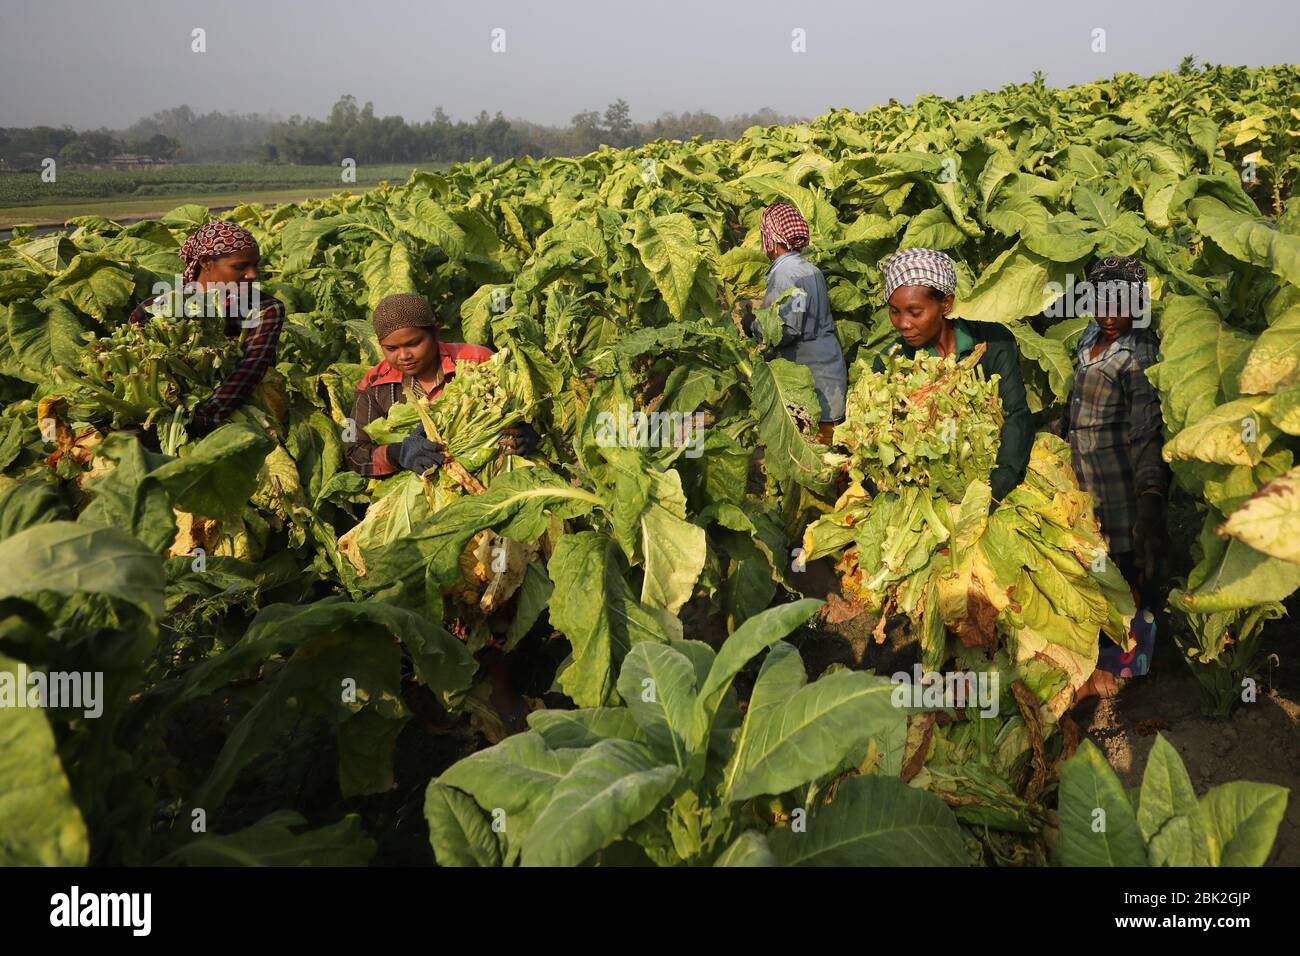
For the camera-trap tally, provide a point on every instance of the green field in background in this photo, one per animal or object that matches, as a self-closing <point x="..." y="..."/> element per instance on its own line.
<point x="173" y="184"/>
<point x="151" y="206"/>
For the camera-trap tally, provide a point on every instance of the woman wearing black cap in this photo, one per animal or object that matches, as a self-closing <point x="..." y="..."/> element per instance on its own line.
<point x="1115" y="430"/>
<point x="415" y="359"/>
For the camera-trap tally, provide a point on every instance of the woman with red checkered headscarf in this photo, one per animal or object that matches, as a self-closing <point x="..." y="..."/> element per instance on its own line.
<point x="799" y="290"/>
<point x="222" y="256"/>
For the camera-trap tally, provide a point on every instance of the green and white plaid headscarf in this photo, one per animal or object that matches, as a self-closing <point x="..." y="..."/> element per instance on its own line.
<point x="927" y="267"/>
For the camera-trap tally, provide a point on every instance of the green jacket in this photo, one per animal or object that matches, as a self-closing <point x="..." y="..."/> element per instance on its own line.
<point x="1001" y="358"/>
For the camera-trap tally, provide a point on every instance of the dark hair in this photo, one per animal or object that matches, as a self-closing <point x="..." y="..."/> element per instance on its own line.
<point x="937" y="294"/>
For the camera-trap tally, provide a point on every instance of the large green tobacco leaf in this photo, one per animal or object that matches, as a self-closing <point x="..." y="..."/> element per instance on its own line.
<point x="27" y="503"/>
<point x="778" y="386"/>
<point x="1241" y="820"/>
<point x="516" y="506"/>
<point x="1249" y="238"/>
<point x="585" y="727"/>
<point x="669" y="250"/>
<point x="272" y="841"/>
<point x="875" y="821"/>
<point x="749" y="849"/>
<point x="440" y="660"/>
<point x="932" y="229"/>
<point x="214" y="480"/>
<point x="1269" y="522"/>
<point x="1236" y="576"/>
<point x="42" y="334"/>
<point x="517" y="777"/>
<point x="426" y="220"/>
<point x="1014" y="286"/>
<point x="124" y="499"/>
<point x="611" y="786"/>
<point x="386" y="270"/>
<point x="40" y="824"/>
<point x="94" y="284"/>
<point x="674" y="549"/>
<point x="317" y="450"/>
<point x="301" y="238"/>
<point x="1274" y="360"/>
<point x="1018" y="214"/>
<point x="594" y="608"/>
<point x="64" y="558"/>
<point x="657" y="683"/>
<point x="459" y="832"/>
<point x="352" y="680"/>
<point x="1235" y="433"/>
<point x="1284" y="410"/>
<point x="1065" y="239"/>
<point x="1098" y="825"/>
<point x="218" y="474"/>
<point x="1168" y="816"/>
<point x="746" y="642"/>
<point x="624" y="476"/>
<point x="1050" y="355"/>
<point x="534" y="597"/>
<point x="48" y="255"/>
<point x="385" y="536"/>
<point x="1228" y="487"/>
<point x="794" y="734"/>
<point x="744" y="270"/>
<point x="1201" y="359"/>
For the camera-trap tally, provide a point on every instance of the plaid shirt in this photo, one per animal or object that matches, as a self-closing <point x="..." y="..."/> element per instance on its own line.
<point x="259" y="355"/>
<point x="382" y="388"/>
<point x="1115" y="430"/>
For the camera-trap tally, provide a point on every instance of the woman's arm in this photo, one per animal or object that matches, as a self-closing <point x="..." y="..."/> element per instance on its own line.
<point x="364" y="456"/>
<point x="259" y="355"/>
<point x="1017" y="422"/>
<point x="792" y="311"/>
<point x="1060" y="425"/>
<point x="1145" y="423"/>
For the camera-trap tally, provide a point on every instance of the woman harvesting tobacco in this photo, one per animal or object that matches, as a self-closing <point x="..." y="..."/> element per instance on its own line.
<point x="1114" y="427"/>
<point x="220" y="259"/>
<point x="798" y="289"/>
<point x="919" y="288"/>
<point x="415" y="361"/>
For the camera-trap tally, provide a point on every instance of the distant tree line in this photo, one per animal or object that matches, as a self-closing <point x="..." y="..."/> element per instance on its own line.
<point x="352" y="131"/>
<point x="358" y="133"/>
<point x="29" y="148"/>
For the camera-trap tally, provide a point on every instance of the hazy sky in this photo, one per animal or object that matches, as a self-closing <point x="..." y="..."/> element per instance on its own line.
<point x="91" y="63"/>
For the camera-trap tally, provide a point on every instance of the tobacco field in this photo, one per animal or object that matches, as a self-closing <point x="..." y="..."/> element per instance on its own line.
<point x="302" y="666"/>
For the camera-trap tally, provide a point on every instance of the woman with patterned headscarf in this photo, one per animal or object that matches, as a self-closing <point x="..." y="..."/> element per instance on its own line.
<point x="222" y="256"/>
<point x="920" y="285"/>
<point x="1115" y="431"/>
<point x="798" y="288"/>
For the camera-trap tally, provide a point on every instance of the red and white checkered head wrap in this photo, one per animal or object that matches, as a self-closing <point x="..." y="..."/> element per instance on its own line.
<point x="783" y="223"/>
<point x="216" y="238"/>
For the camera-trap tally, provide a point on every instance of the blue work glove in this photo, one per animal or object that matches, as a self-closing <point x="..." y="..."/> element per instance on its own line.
<point x="521" y="439"/>
<point x="416" y="453"/>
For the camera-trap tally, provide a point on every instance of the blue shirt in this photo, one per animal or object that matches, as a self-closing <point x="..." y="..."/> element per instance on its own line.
<point x="808" y="329"/>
